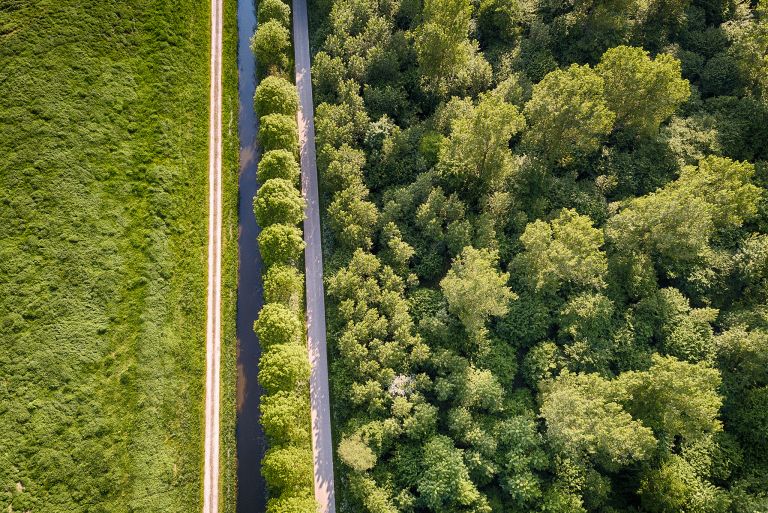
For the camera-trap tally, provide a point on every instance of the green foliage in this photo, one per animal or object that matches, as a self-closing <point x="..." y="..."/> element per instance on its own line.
<point x="568" y="114"/>
<point x="562" y="253"/>
<point x="617" y="149"/>
<point x="476" y="158"/>
<point x="280" y="244"/>
<point x="584" y="420"/>
<point x="353" y="218"/>
<point x="284" y="416"/>
<point x="284" y="285"/>
<point x="444" y="481"/>
<point x="674" y="398"/>
<point x="475" y="290"/>
<point x="271" y="44"/>
<point x="288" y="469"/>
<point x="284" y="368"/>
<point x="278" y="132"/>
<point x="277" y="10"/>
<point x="278" y="164"/>
<point x="288" y="504"/>
<point x="277" y="324"/>
<point x="353" y="452"/>
<point x="642" y="92"/>
<point x="275" y="95"/>
<point x="278" y="201"/>
<point x="442" y="46"/>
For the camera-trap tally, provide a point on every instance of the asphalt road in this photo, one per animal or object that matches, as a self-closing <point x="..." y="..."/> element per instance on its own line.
<point x="322" y="444"/>
<point x="213" y="329"/>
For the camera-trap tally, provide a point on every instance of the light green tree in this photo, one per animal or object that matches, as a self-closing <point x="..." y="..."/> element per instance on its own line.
<point x="674" y="398"/>
<point x="274" y="10"/>
<point x="563" y="252"/>
<point x="584" y="420"/>
<point x="476" y="156"/>
<point x="277" y="324"/>
<point x="444" y="483"/>
<point x="270" y="44"/>
<point x="278" y="201"/>
<point x="441" y="41"/>
<point x="353" y="218"/>
<point x="567" y="114"/>
<point x="643" y="92"/>
<point x="284" y="285"/>
<point x="285" y="418"/>
<point x="279" y="132"/>
<point x="284" y="367"/>
<point x="280" y="244"/>
<point x="275" y="95"/>
<point x="476" y="290"/>
<point x="278" y="164"/>
<point x="288" y="470"/>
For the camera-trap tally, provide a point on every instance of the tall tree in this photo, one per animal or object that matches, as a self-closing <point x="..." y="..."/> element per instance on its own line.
<point x="568" y="114"/>
<point x="476" y="290"/>
<point x="476" y="157"/>
<point x="643" y="92"/>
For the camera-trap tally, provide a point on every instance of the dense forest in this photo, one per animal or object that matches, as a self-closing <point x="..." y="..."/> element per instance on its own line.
<point x="546" y="252"/>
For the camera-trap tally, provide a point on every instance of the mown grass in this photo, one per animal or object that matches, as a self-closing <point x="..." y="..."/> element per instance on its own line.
<point x="103" y="219"/>
<point x="230" y="171"/>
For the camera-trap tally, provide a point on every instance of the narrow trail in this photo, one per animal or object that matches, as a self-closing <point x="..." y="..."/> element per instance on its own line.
<point x="322" y="444"/>
<point x="213" y="332"/>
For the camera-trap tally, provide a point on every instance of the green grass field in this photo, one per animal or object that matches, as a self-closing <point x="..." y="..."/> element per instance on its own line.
<point x="103" y="219"/>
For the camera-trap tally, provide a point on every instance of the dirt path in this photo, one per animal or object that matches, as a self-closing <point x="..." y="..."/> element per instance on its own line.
<point x="318" y="381"/>
<point x="213" y="334"/>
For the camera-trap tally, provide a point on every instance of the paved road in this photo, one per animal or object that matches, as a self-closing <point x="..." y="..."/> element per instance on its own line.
<point x="213" y="332"/>
<point x="318" y="379"/>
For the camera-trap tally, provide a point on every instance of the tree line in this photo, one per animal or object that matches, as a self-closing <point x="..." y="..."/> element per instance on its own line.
<point x="546" y="253"/>
<point x="279" y="208"/>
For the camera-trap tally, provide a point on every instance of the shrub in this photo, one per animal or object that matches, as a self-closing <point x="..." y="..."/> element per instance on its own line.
<point x="279" y="131"/>
<point x="278" y="164"/>
<point x="284" y="285"/>
<point x="274" y="10"/>
<point x="270" y="45"/>
<point x="280" y="244"/>
<point x="275" y="95"/>
<point x="284" y="367"/>
<point x="277" y="325"/>
<point x="278" y="201"/>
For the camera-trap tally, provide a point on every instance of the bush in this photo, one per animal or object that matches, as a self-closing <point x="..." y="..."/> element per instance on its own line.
<point x="270" y="45"/>
<point x="279" y="131"/>
<point x="280" y="244"/>
<point x="284" y="285"/>
<point x="277" y="325"/>
<point x="275" y="95"/>
<point x="285" y="368"/>
<point x="278" y="201"/>
<point x="274" y="10"/>
<point x="278" y="164"/>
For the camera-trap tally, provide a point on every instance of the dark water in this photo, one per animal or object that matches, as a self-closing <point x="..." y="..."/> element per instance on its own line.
<point x="251" y="495"/>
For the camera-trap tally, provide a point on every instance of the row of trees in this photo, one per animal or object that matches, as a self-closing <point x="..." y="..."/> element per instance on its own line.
<point x="547" y="280"/>
<point x="279" y="209"/>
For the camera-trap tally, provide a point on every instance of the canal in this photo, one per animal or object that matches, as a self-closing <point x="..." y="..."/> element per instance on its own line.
<point x="251" y="444"/>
